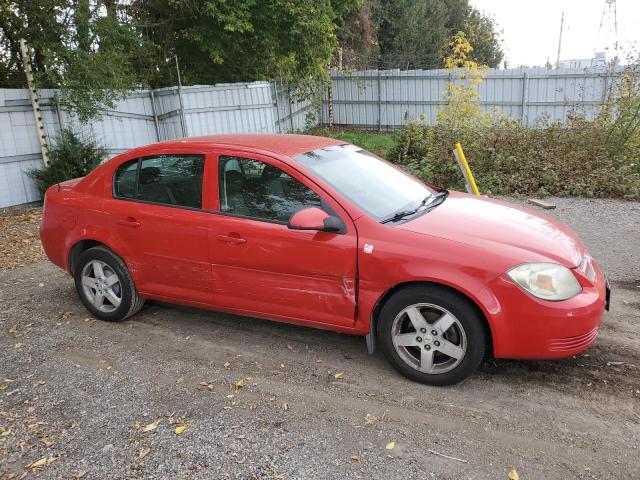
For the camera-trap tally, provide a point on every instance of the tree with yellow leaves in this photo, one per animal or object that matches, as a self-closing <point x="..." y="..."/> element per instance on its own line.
<point x="463" y="106"/>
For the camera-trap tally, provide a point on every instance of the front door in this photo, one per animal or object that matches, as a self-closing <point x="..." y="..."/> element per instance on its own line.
<point x="263" y="267"/>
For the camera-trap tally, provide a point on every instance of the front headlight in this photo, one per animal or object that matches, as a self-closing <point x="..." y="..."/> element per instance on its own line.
<point x="548" y="281"/>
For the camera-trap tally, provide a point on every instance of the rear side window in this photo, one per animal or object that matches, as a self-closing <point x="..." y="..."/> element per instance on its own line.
<point x="166" y="179"/>
<point x="124" y="182"/>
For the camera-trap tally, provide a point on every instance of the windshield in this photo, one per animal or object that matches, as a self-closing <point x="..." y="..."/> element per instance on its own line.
<point x="372" y="184"/>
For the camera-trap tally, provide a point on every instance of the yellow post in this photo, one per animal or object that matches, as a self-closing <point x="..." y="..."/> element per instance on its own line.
<point x="472" y="181"/>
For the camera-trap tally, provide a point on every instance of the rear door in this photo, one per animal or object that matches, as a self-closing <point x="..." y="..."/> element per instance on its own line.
<point x="263" y="267"/>
<point x="157" y="211"/>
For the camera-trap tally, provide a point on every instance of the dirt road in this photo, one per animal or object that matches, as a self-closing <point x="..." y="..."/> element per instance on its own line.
<point x="87" y="399"/>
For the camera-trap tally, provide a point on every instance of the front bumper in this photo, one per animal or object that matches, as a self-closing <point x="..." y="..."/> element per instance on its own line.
<point x="526" y="327"/>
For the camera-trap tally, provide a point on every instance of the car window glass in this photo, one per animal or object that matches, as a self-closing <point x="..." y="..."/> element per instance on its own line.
<point x="372" y="184"/>
<point x="255" y="189"/>
<point x="166" y="179"/>
<point x="125" y="180"/>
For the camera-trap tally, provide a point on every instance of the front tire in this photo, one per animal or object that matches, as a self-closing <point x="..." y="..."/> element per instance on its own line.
<point x="432" y="335"/>
<point x="104" y="285"/>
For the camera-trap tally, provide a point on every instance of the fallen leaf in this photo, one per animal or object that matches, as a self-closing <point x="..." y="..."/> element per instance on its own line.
<point x="239" y="384"/>
<point x="47" y="442"/>
<point x="5" y="432"/>
<point x="180" y="429"/>
<point x="39" y="463"/>
<point x="151" y="426"/>
<point x="513" y="474"/>
<point x="13" y="329"/>
<point x="143" y="453"/>
<point x="338" y="376"/>
<point x="390" y="445"/>
<point x="42" y="462"/>
<point x="356" y="458"/>
<point x="208" y="385"/>
<point x="370" y="419"/>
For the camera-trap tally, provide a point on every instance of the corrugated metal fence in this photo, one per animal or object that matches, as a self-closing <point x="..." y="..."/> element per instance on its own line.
<point x="143" y="117"/>
<point x="381" y="99"/>
<point x="386" y="99"/>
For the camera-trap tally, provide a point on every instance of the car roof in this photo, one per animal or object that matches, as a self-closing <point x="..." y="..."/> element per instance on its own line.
<point x="284" y="144"/>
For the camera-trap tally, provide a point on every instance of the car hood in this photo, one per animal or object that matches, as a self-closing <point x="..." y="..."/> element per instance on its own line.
<point x="500" y="227"/>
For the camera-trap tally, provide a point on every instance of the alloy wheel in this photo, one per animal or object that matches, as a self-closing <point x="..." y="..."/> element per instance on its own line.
<point x="429" y="338"/>
<point x="101" y="286"/>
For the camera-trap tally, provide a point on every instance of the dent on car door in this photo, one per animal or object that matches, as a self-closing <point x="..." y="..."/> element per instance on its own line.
<point x="260" y="265"/>
<point x="157" y="211"/>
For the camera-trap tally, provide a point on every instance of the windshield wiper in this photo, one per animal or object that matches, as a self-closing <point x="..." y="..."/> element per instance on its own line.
<point x="438" y="198"/>
<point x="399" y="215"/>
<point x="430" y="201"/>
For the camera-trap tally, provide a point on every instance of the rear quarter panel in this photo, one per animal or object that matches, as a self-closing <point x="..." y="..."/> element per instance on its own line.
<point x="73" y="211"/>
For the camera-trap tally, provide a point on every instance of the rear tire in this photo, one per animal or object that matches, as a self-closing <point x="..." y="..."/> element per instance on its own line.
<point x="105" y="286"/>
<point x="432" y="335"/>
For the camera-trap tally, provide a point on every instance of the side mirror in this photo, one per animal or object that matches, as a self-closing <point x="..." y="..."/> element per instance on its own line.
<point x="313" y="218"/>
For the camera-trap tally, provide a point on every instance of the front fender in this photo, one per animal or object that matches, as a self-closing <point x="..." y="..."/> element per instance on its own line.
<point x="440" y="264"/>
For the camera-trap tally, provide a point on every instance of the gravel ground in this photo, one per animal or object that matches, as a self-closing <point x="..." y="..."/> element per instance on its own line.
<point x="183" y="393"/>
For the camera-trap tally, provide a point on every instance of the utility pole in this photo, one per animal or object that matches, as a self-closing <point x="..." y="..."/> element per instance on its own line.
<point x="560" y="40"/>
<point x="608" y="31"/>
<point x="35" y="102"/>
<point x="183" y="122"/>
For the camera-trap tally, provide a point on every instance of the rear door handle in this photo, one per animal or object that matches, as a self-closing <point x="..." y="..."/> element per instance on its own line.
<point x="231" y="239"/>
<point x="129" y="222"/>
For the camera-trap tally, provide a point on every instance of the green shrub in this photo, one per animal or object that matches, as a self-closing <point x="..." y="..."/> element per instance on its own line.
<point x="507" y="158"/>
<point x="71" y="156"/>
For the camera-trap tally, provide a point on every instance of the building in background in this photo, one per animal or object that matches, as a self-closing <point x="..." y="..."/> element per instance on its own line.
<point x="599" y="58"/>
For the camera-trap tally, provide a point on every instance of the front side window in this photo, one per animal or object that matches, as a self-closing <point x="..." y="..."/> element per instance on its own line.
<point x="165" y="179"/>
<point x="251" y="188"/>
<point x="373" y="185"/>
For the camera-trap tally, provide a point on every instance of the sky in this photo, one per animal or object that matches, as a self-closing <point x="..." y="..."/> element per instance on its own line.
<point x="530" y="28"/>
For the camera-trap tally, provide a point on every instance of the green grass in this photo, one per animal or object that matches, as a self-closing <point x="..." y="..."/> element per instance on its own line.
<point x="375" y="142"/>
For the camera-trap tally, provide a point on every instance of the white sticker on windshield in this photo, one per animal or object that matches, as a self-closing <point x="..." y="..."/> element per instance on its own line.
<point x="368" y="248"/>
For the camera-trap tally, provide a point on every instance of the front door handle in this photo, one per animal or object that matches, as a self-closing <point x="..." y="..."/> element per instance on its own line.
<point x="231" y="239"/>
<point x="129" y="222"/>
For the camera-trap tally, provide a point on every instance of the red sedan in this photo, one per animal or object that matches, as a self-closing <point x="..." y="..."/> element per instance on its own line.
<point x="316" y="232"/>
